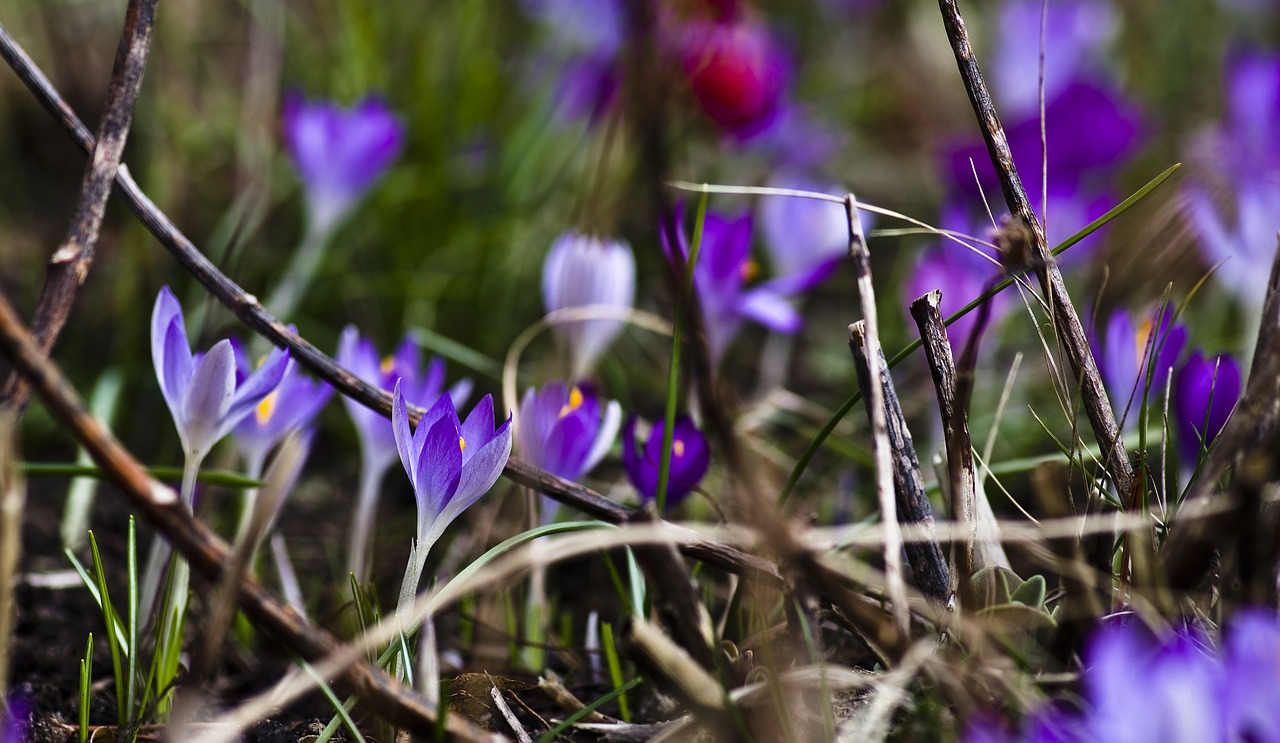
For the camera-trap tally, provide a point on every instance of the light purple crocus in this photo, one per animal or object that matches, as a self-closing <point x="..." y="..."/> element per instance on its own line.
<point x="291" y="406"/>
<point x="583" y="272"/>
<point x="1143" y="689"/>
<point x="377" y="439"/>
<point x="1240" y="251"/>
<point x="450" y="465"/>
<point x="806" y="238"/>
<point x="566" y="430"/>
<point x="1205" y="394"/>
<point x="690" y="456"/>
<point x="723" y="266"/>
<point x="339" y="152"/>
<point x="1127" y="348"/>
<point x="205" y="396"/>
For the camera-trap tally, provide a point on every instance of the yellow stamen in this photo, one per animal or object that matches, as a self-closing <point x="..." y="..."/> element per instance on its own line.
<point x="462" y="444"/>
<point x="388" y="364"/>
<point x="575" y="401"/>
<point x="750" y="269"/>
<point x="266" y="408"/>
<point x="677" y="448"/>
<point x="1140" y="340"/>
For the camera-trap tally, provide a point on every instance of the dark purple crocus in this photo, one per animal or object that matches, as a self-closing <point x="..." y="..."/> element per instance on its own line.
<point x="723" y="266"/>
<point x="206" y="397"/>
<point x="1125" y="352"/>
<point x="583" y="272"/>
<point x="377" y="439"/>
<point x="690" y="456"/>
<point x="737" y="72"/>
<point x="291" y="406"/>
<point x="339" y="152"/>
<point x="566" y="430"/>
<point x="14" y="718"/>
<point x="1206" y="391"/>
<point x="1143" y="689"/>
<point x="961" y="274"/>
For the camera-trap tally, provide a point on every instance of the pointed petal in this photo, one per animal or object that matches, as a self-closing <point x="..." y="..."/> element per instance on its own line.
<point x="442" y="408"/>
<point x="261" y="383"/>
<point x="478" y="430"/>
<point x="480" y="473"/>
<point x="170" y="349"/>
<point x="208" y="397"/>
<point x="461" y="392"/>
<point x="609" y="424"/>
<point x="439" y="469"/>
<point x="403" y="436"/>
<point x="771" y="310"/>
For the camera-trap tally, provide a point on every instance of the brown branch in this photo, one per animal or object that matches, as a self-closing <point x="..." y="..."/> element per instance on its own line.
<point x="206" y="552"/>
<point x="911" y="502"/>
<point x="1070" y="330"/>
<point x="953" y="409"/>
<point x="250" y="312"/>
<point x="70" y="264"/>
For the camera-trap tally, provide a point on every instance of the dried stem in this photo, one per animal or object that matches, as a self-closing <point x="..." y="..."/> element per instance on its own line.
<point x="250" y="312"/>
<point x="1070" y="330"/>
<point x="953" y="408"/>
<point x="70" y="264"/>
<point x="204" y="550"/>
<point x="875" y="398"/>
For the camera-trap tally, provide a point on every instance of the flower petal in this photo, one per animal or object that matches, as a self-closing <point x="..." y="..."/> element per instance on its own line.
<point x="480" y="473"/>
<point x="208" y="397"/>
<point x="170" y="349"/>
<point x="439" y="469"/>
<point x="478" y="428"/>
<point x="404" y="437"/>
<point x="605" y="435"/>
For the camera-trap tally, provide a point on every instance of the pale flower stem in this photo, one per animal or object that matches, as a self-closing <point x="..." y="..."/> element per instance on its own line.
<point x="366" y="504"/>
<point x="301" y="270"/>
<point x="160" y="549"/>
<point x="253" y="470"/>
<point x="429" y="663"/>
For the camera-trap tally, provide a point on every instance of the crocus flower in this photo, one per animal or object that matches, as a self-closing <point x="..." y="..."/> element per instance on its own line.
<point x="450" y="465"/>
<point x="1078" y="33"/>
<point x="565" y="430"/>
<point x="1206" y="392"/>
<point x="1126" y="350"/>
<point x="1143" y="689"/>
<point x="584" y="272"/>
<point x="737" y="72"/>
<point x="806" y="238"/>
<point x="690" y="456"/>
<point x="204" y="394"/>
<point x="1241" y="252"/>
<point x="14" y="719"/>
<point x="377" y="440"/>
<point x="723" y="265"/>
<point x="339" y="152"/>
<point x="291" y="406"/>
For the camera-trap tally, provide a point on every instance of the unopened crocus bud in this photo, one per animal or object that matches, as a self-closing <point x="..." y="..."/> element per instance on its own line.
<point x="584" y="272"/>
<point x="339" y="152"/>
<point x="690" y="456"/>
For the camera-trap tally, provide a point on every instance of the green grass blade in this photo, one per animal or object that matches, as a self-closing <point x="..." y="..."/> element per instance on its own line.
<point x="221" y="478"/>
<point x="118" y="656"/>
<point x="86" y="681"/>
<point x="615" y="668"/>
<point x="131" y="626"/>
<point x="340" y="709"/>
<point x="803" y="462"/>
<point x="569" y="721"/>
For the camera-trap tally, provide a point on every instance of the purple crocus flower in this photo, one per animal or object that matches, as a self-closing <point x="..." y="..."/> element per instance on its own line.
<point x="205" y="396"/>
<point x="339" y="152"/>
<point x="1126" y="350"/>
<point x="565" y="430"/>
<point x="806" y="238"/>
<point x="450" y="463"/>
<point x="377" y="439"/>
<point x="291" y="406"/>
<point x="1252" y="694"/>
<point x="584" y="272"/>
<point x="1241" y="251"/>
<point x="1205" y="394"/>
<point x="737" y="72"/>
<point x="724" y="264"/>
<point x="690" y="456"/>
<point x="14" y="718"/>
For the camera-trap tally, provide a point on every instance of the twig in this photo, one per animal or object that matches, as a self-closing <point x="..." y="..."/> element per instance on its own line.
<point x="13" y="501"/>
<point x="1070" y="330"/>
<point x="505" y="709"/>
<point x="70" y="264"/>
<point x="250" y="312"/>
<point x="953" y="409"/>
<point x="205" y="551"/>
<point x="896" y="586"/>
<point x="676" y="599"/>
<point x="911" y="502"/>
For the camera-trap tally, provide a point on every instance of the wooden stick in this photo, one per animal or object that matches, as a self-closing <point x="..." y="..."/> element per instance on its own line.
<point x="896" y="587"/>
<point x="1070" y="330"/>
<point x="250" y="312"/>
<point x="953" y="409"/>
<point x="69" y="266"/>
<point x="206" y="552"/>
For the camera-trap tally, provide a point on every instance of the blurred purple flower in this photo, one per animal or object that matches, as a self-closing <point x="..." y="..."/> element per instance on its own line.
<point x="290" y="406"/>
<point x="1077" y="33"/>
<point x="339" y="152"/>
<point x="1123" y="361"/>
<point x="1252" y="694"/>
<point x="581" y="272"/>
<point x="737" y="71"/>
<point x="690" y="456"/>
<point x="14" y="718"/>
<point x="588" y="87"/>
<point x="566" y="431"/>
<point x="1206" y="392"/>
<point x="1088" y="128"/>
<point x="805" y="238"/>
<point x="1242" y="251"/>
<point x="961" y="274"/>
<point x="450" y="463"/>
<point x="1251" y="131"/>
<point x="205" y="395"/>
<point x="723" y="265"/>
<point x="593" y="27"/>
